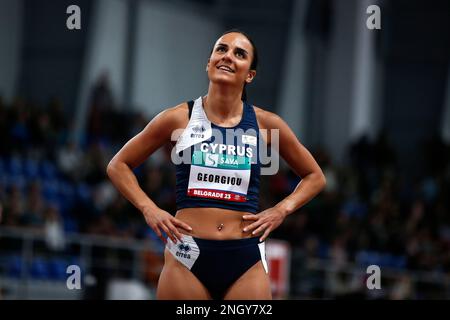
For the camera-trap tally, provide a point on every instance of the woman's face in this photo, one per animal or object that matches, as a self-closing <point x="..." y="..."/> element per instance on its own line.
<point x="231" y="59"/>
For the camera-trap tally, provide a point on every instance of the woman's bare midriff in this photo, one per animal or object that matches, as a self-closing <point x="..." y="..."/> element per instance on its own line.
<point x="214" y="223"/>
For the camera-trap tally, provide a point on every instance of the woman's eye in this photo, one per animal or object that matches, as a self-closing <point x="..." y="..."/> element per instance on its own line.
<point x="222" y="49"/>
<point x="240" y="54"/>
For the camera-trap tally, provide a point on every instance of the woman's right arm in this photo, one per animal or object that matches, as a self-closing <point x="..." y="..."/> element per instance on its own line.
<point x="135" y="152"/>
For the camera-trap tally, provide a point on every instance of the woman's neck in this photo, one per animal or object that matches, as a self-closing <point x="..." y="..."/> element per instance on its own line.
<point x="223" y="102"/>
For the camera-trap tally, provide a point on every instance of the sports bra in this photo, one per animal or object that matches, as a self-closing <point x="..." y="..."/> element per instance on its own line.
<point x="218" y="166"/>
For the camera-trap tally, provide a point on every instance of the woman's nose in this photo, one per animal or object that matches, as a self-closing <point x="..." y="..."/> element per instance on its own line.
<point x="228" y="56"/>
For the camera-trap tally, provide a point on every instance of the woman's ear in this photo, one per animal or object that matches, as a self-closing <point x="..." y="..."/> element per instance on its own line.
<point x="250" y="76"/>
<point x="207" y="65"/>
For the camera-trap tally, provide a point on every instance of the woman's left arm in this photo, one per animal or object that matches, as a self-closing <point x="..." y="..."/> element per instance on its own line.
<point x="302" y="163"/>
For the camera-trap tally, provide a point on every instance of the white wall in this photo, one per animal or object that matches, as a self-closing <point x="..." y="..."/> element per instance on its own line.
<point x="364" y="115"/>
<point x="11" y="12"/>
<point x="292" y="100"/>
<point x="173" y="45"/>
<point x="338" y="90"/>
<point x="105" y="50"/>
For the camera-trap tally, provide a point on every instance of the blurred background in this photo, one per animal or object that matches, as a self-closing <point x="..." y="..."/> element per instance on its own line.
<point x="373" y="106"/>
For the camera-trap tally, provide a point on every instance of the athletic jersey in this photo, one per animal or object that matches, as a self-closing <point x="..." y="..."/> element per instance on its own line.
<point x="218" y="166"/>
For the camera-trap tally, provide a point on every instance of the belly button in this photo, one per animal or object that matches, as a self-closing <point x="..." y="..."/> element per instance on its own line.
<point x="220" y="227"/>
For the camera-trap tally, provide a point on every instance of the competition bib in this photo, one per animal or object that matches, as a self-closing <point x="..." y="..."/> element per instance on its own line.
<point x="219" y="176"/>
<point x="217" y="170"/>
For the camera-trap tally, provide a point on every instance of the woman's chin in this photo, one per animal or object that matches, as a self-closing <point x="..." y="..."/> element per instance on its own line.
<point x="224" y="80"/>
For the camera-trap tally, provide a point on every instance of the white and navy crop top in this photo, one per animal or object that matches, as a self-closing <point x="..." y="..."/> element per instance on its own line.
<point x="218" y="166"/>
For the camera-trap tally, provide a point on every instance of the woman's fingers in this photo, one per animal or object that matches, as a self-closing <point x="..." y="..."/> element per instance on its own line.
<point x="168" y="232"/>
<point x="251" y="217"/>
<point x="254" y="225"/>
<point x="181" y="224"/>
<point x="175" y="231"/>
<point x="169" y="226"/>
<point x="174" y="223"/>
<point x="260" y="229"/>
<point x="265" y="235"/>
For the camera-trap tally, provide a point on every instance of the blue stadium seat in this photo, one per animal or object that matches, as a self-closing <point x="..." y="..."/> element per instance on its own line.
<point x="66" y="196"/>
<point x="83" y="192"/>
<point x="365" y="258"/>
<point x="50" y="189"/>
<point x="14" y="266"/>
<point x="74" y="260"/>
<point x="19" y="181"/>
<point x="15" y="166"/>
<point x="70" y="225"/>
<point x="385" y="260"/>
<point x="355" y="208"/>
<point x="31" y="168"/>
<point x="39" y="269"/>
<point x="399" y="262"/>
<point x="62" y="205"/>
<point x="323" y="251"/>
<point x="57" y="269"/>
<point x="48" y="170"/>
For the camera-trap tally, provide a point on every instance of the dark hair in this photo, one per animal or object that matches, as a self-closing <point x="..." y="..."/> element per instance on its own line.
<point x="254" y="63"/>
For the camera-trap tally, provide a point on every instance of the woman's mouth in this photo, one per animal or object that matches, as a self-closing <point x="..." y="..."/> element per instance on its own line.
<point x="225" y="68"/>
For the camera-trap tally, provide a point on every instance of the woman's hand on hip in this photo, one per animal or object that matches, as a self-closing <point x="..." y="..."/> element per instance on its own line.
<point x="267" y="221"/>
<point x="159" y="219"/>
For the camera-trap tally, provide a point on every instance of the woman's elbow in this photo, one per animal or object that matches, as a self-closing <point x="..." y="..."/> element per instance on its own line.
<point x="110" y="168"/>
<point x="322" y="181"/>
<point x="116" y="169"/>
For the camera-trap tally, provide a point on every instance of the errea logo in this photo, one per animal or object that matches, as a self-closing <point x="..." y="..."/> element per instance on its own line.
<point x="198" y="132"/>
<point x="183" y="247"/>
<point x="199" y="129"/>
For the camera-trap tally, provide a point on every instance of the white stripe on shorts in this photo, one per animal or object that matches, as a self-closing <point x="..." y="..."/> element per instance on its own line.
<point x="262" y="251"/>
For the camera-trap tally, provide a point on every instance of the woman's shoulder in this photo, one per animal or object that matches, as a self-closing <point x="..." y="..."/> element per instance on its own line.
<point x="179" y="110"/>
<point x="267" y="119"/>
<point x="177" y="116"/>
